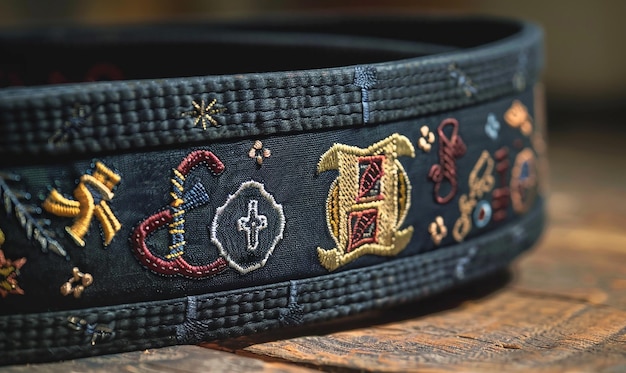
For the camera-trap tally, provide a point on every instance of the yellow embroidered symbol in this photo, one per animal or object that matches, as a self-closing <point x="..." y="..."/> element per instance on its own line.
<point x="524" y="181"/>
<point x="517" y="117"/>
<point x="91" y="196"/>
<point x="77" y="284"/>
<point x="479" y="184"/>
<point x="203" y="113"/>
<point x="368" y="201"/>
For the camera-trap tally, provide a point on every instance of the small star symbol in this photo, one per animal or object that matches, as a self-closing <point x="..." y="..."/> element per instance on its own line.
<point x="204" y="113"/>
<point x="76" y="121"/>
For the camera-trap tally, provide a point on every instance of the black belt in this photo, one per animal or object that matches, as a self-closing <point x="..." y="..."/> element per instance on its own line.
<point x="243" y="176"/>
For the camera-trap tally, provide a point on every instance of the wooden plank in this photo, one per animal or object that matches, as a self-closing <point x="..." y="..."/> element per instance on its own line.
<point x="168" y="359"/>
<point x="508" y="330"/>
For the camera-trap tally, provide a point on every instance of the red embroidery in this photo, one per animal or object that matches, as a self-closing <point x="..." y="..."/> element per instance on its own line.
<point x="200" y="156"/>
<point x="168" y="267"/>
<point x="363" y="228"/>
<point x="500" y="200"/>
<point x="173" y="217"/>
<point x="449" y="150"/>
<point x="370" y="174"/>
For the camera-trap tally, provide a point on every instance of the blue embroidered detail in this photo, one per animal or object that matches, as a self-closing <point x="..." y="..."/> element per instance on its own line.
<point x="492" y="127"/>
<point x="192" y="329"/>
<point x="36" y="228"/>
<point x="519" y="235"/>
<point x="259" y="219"/>
<point x="365" y="78"/>
<point x="482" y="214"/>
<point x="97" y="332"/>
<point x="77" y="119"/>
<point x="519" y="78"/>
<point x="294" y="313"/>
<point x="459" y="271"/>
<point x="462" y="80"/>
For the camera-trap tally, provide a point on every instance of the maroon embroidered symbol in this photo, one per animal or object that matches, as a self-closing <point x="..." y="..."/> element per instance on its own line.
<point x="363" y="228"/>
<point x="501" y="195"/>
<point x="370" y="173"/>
<point x="174" y="217"/>
<point x="450" y="148"/>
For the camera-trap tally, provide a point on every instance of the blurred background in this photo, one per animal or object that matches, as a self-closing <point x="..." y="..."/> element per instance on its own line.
<point x="585" y="78"/>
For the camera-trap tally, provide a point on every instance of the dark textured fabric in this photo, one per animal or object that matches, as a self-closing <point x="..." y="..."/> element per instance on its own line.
<point x="166" y="209"/>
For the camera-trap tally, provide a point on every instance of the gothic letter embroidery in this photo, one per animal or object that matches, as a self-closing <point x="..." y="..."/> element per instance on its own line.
<point x="368" y="201"/>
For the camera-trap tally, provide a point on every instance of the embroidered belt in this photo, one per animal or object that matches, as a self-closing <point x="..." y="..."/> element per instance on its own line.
<point x="244" y="176"/>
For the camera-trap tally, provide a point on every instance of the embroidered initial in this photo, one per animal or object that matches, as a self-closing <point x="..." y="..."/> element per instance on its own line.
<point x="252" y="224"/>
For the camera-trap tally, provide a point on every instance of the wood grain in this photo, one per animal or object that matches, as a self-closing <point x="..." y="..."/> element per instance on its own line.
<point x="168" y="359"/>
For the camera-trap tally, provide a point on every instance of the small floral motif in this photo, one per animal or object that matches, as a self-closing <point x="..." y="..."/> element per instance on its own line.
<point x="204" y="112"/>
<point x="9" y="270"/>
<point x="77" y="284"/>
<point x="438" y="230"/>
<point x="428" y="138"/>
<point x="517" y="117"/>
<point x="258" y="152"/>
<point x="492" y="127"/>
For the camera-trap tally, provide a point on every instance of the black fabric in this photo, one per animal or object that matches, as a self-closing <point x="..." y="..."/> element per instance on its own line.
<point x="219" y="200"/>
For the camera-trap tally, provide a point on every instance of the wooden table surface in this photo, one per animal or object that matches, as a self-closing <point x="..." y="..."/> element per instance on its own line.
<point x="560" y="307"/>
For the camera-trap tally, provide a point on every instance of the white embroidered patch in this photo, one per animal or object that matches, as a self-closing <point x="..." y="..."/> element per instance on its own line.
<point x="247" y="228"/>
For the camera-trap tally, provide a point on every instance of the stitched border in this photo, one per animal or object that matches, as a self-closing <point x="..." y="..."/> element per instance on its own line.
<point x="417" y="87"/>
<point x="46" y="336"/>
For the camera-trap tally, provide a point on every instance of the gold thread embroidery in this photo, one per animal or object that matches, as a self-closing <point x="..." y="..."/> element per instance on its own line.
<point x="517" y="117"/>
<point x="203" y="113"/>
<point x="83" y="208"/>
<point x="438" y="230"/>
<point x="523" y="181"/>
<point x="258" y="152"/>
<point x="77" y="284"/>
<point x="478" y="185"/>
<point x="9" y="270"/>
<point x="367" y="203"/>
